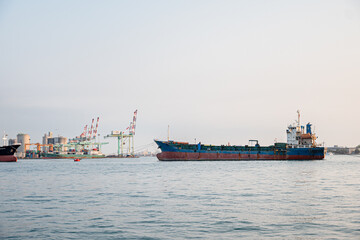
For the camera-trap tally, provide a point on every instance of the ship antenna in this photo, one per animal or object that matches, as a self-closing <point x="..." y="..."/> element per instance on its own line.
<point x="168" y="132"/>
<point x="5" y="138"/>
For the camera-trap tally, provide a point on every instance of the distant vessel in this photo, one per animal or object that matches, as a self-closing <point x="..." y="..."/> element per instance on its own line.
<point x="7" y="153"/>
<point x="299" y="146"/>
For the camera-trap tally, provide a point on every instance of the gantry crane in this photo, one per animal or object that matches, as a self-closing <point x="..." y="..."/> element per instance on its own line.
<point x="122" y="137"/>
<point x="38" y="146"/>
<point x="87" y="139"/>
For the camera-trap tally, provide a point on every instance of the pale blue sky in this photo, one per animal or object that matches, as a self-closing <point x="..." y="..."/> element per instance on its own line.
<point x="218" y="71"/>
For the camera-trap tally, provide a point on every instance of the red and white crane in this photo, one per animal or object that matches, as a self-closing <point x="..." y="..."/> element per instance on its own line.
<point x="96" y="128"/>
<point x="83" y="135"/>
<point x="133" y="125"/>
<point x="91" y="129"/>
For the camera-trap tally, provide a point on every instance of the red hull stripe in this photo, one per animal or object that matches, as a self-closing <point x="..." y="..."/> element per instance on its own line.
<point x="185" y="156"/>
<point x="8" y="158"/>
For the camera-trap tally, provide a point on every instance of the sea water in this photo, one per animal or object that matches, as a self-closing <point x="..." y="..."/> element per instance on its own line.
<point x="143" y="198"/>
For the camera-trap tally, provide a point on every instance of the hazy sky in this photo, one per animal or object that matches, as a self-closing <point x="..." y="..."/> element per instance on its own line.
<point x="218" y="71"/>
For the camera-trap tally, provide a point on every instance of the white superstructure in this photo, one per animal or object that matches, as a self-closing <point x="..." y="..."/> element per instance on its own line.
<point x="297" y="137"/>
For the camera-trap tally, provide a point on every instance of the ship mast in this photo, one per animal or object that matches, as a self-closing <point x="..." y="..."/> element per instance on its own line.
<point x="5" y="138"/>
<point x="168" y="133"/>
<point x="298" y="122"/>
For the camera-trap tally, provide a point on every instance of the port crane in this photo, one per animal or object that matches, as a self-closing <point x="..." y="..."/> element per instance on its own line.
<point x="123" y="137"/>
<point x="38" y="146"/>
<point x="85" y="140"/>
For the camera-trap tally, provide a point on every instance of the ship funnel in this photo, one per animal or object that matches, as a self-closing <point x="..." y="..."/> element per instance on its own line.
<point x="308" y="128"/>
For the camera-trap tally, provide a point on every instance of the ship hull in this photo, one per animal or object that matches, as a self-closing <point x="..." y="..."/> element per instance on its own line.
<point x="8" y="158"/>
<point x="7" y="153"/>
<point x="185" y="156"/>
<point x="171" y="153"/>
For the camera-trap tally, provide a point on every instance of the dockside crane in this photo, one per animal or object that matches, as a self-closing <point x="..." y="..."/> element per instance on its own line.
<point x="122" y="137"/>
<point x="84" y="134"/>
<point x="38" y="146"/>
<point x="91" y="129"/>
<point x="85" y="140"/>
<point x="133" y="131"/>
<point x="96" y="128"/>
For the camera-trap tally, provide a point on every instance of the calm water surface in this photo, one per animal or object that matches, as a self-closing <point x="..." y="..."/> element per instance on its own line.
<point x="147" y="199"/>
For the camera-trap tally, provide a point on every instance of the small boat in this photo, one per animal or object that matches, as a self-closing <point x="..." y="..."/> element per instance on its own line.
<point x="77" y="160"/>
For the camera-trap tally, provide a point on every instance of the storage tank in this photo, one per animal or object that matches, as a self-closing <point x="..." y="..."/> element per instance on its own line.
<point x="45" y="139"/>
<point x="51" y="141"/>
<point x="23" y="139"/>
<point x="12" y="141"/>
<point x="60" y="140"/>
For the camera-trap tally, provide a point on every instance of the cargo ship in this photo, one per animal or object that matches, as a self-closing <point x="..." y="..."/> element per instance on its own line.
<point x="7" y="153"/>
<point x="300" y="145"/>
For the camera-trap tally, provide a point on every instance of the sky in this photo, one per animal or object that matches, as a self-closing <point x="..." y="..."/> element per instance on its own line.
<point x="218" y="71"/>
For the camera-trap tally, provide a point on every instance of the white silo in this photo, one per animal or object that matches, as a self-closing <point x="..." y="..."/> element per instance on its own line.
<point x="23" y="139"/>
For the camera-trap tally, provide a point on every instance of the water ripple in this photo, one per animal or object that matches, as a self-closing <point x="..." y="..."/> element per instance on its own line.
<point x="146" y="199"/>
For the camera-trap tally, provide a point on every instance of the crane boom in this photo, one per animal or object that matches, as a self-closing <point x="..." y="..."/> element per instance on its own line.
<point x="134" y="123"/>
<point x="96" y="128"/>
<point x="83" y="135"/>
<point x="91" y="129"/>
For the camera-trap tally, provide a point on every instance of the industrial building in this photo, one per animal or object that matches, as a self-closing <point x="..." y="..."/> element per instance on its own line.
<point x="12" y="141"/>
<point x="49" y="139"/>
<point x="24" y="139"/>
<point x="82" y="146"/>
